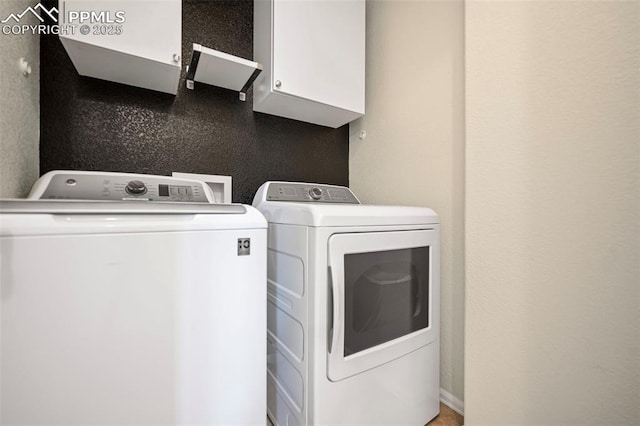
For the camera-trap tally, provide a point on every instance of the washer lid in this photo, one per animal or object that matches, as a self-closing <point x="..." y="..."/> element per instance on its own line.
<point x="64" y="217"/>
<point x="115" y="207"/>
<point x="319" y="214"/>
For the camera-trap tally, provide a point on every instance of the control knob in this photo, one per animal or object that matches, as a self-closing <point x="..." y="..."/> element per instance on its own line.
<point x="136" y="187"/>
<point x="315" y="193"/>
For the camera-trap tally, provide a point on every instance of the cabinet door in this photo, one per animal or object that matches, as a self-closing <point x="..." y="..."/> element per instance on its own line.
<point x="319" y="51"/>
<point x="150" y="30"/>
<point x="133" y="42"/>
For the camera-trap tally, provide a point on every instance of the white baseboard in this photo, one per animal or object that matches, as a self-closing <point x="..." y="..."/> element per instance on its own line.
<point x="452" y="402"/>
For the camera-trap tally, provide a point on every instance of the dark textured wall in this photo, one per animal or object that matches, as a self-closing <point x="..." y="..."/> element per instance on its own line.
<point x="89" y="124"/>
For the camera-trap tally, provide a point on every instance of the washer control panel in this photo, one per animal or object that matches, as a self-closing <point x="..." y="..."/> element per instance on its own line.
<point x="310" y="192"/>
<point x="119" y="187"/>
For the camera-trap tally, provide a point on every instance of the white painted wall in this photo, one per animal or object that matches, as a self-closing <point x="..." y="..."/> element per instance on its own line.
<point x="19" y="107"/>
<point x="552" y="212"/>
<point x="413" y="153"/>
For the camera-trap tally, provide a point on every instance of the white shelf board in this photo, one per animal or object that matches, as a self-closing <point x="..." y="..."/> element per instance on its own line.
<point x="220" y="69"/>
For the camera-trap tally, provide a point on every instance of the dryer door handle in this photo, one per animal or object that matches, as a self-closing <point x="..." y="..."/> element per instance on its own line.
<point x="329" y="310"/>
<point x="335" y="310"/>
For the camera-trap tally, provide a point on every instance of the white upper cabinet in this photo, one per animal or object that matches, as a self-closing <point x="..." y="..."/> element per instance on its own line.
<point x="313" y="52"/>
<point x="133" y="42"/>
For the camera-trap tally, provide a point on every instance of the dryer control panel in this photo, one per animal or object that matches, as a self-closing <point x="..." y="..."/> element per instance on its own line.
<point x="75" y="185"/>
<point x="309" y="192"/>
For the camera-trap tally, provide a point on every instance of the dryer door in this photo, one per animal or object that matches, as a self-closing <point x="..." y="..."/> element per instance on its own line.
<point x="385" y="294"/>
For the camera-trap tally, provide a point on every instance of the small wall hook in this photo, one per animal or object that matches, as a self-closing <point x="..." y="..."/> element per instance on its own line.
<point x="25" y="67"/>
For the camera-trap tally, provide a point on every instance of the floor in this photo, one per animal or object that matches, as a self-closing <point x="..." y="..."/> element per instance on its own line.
<point x="447" y="417"/>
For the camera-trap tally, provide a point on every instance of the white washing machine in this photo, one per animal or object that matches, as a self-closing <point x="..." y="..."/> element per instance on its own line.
<point x="131" y="311"/>
<point x="353" y="308"/>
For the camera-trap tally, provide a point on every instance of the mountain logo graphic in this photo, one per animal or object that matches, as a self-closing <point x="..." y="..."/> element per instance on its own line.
<point x="34" y="12"/>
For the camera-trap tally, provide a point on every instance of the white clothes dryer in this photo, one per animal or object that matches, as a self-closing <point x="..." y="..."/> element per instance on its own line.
<point x="353" y="308"/>
<point x="117" y="309"/>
